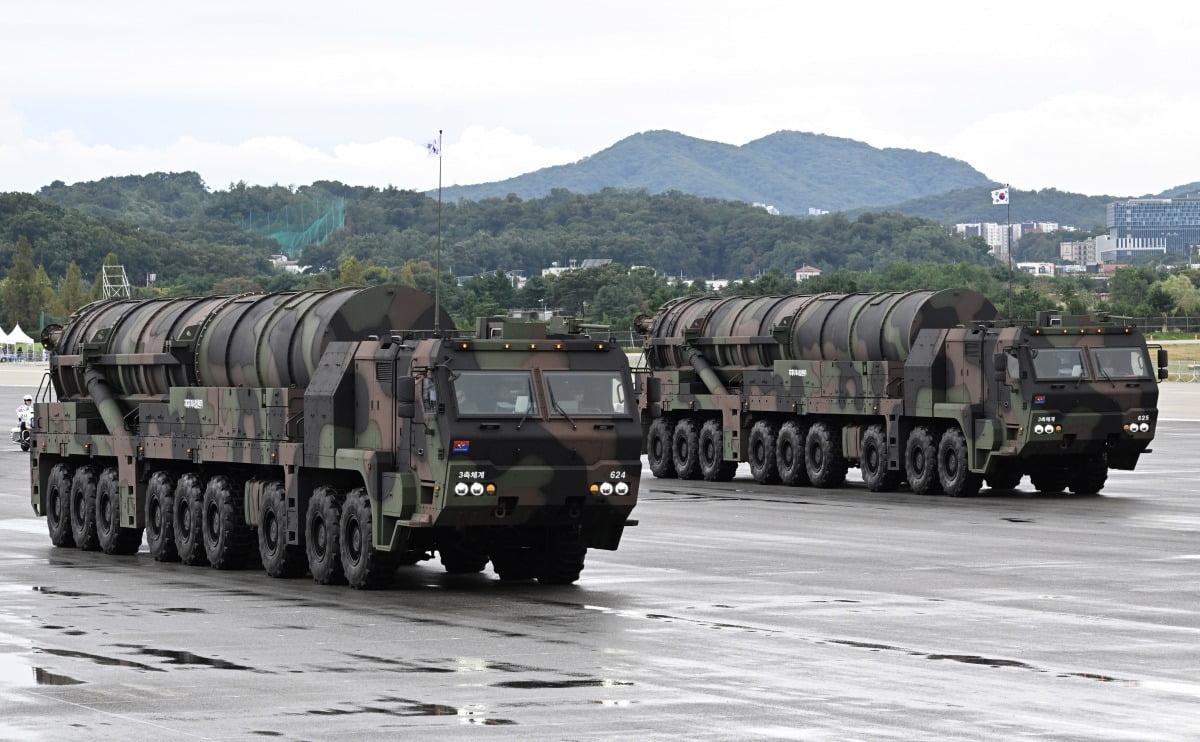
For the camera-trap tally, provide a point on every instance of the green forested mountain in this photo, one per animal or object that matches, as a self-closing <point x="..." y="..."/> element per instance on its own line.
<point x="193" y="240"/>
<point x="181" y="250"/>
<point x="678" y="206"/>
<point x="196" y="240"/>
<point x="792" y="171"/>
<point x="969" y="205"/>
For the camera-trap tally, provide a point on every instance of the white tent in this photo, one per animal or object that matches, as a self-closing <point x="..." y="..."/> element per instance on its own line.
<point x="18" y="337"/>
<point x="4" y="338"/>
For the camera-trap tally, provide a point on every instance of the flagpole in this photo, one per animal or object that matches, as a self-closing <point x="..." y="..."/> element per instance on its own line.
<point x="1008" y="205"/>
<point x="437" y="276"/>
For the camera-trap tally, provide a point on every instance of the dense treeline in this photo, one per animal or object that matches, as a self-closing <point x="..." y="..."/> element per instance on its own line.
<point x="195" y="241"/>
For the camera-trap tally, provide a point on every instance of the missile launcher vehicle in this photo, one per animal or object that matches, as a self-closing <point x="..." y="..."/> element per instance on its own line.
<point x="334" y="433"/>
<point x="924" y="387"/>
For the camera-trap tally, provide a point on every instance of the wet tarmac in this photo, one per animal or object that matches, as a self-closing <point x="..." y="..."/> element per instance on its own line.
<point x="734" y="611"/>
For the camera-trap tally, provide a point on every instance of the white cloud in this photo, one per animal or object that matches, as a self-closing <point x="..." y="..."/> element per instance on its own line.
<point x="295" y="91"/>
<point x="1088" y="142"/>
<point x="475" y="155"/>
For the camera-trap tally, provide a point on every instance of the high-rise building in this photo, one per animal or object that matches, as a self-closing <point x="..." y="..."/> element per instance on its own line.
<point x="1169" y="226"/>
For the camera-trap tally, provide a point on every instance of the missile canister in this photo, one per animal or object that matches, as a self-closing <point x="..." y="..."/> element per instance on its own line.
<point x="750" y="332"/>
<point x="145" y="347"/>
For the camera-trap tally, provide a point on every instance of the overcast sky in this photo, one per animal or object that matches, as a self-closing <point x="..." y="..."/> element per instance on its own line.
<point x="1093" y="97"/>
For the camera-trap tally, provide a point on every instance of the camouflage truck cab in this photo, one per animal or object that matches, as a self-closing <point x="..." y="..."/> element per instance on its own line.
<point x="923" y="387"/>
<point x="333" y="433"/>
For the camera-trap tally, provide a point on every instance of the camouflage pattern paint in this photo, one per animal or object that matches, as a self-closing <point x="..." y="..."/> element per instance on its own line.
<point x="928" y="368"/>
<point x="346" y="392"/>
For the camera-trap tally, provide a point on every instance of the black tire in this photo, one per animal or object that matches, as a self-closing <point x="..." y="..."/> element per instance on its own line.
<point x="83" y="509"/>
<point x="228" y="541"/>
<point x="873" y="461"/>
<point x="789" y="454"/>
<point x="514" y="563"/>
<point x="564" y="556"/>
<point x="113" y="538"/>
<point x="58" y="506"/>
<point x="187" y="520"/>
<point x="685" y="449"/>
<point x="658" y="448"/>
<point x="713" y="466"/>
<point x="160" y="513"/>
<point x="322" y="541"/>
<point x="366" y="567"/>
<point x="1009" y="479"/>
<point x="1089" y="477"/>
<point x="279" y="558"/>
<point x="760" y="450"/>
<point x="516" y="552"/>
<point x="1049" y="480"/>
<point x="954" y="474"/>
<point x="461" y="554"/>
<point x="920" y="462"/>
<point x="823" y="456"/>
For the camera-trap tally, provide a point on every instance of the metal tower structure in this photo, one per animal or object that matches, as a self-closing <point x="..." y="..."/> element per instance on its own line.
<point x="116" y="283"/>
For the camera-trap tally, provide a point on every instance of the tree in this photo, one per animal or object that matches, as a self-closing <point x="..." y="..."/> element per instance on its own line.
<point x="71" y="295"/>
<point x="1129" y="287"/>
<point x="1183" y="293"/>
<point x="22" y="294"/>
<point x="1023" y="304"/>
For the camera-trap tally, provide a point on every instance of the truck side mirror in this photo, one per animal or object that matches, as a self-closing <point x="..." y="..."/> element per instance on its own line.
<point x="1163" y="371"/>
<point x="406" y="396"/>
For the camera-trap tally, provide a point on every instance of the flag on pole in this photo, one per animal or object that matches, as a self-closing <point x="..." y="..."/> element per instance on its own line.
<point x="1000" y="196"/>
<point x="434" y="148"/>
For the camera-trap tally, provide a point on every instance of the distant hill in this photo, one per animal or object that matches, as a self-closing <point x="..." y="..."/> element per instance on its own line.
<point x="792" y="171"/>
<point x="157" y="198"/>
<point x="968" y="205"/>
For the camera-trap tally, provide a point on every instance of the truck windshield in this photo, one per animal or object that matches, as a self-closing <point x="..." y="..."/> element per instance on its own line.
<point x="587" y="393"/>
<point x="1058" y="363"/>
<point x="495" y="393"/>
<point x="1122" y="363"/>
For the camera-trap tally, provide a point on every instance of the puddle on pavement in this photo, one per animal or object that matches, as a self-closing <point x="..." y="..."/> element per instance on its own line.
<point x="406" y="707"/>
<point x="65" y="593"/>
<point x="179" y="657"/>
<point x="544" y="684"/>
<point x="989" y="661"/>
<point x="98" y="659"/>
<point x="445" y="666"/>
<point x="977" y="660"/>
<point x="15" y="673"/>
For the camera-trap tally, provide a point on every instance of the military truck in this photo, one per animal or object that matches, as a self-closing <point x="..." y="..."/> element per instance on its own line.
<point x="924" y="387"/>
<point x="334" y="433"/>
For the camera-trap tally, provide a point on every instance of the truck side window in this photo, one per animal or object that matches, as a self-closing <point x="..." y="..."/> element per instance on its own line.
<point x="587" y="392"/>
<point x="1058" y="363"/>
<point x="1122" y="363"/>
<point x="494" y="393"/>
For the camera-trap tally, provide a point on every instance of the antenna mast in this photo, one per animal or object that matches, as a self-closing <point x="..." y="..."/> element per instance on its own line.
<point x="437" y="276"/>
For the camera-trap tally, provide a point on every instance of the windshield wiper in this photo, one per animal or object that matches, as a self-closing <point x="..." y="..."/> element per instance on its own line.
<point x="528" y="405"/>
<point x="554" y="403"/>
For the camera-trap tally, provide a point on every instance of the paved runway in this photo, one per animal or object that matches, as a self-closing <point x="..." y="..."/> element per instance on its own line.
<point x="734" y="611"/>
